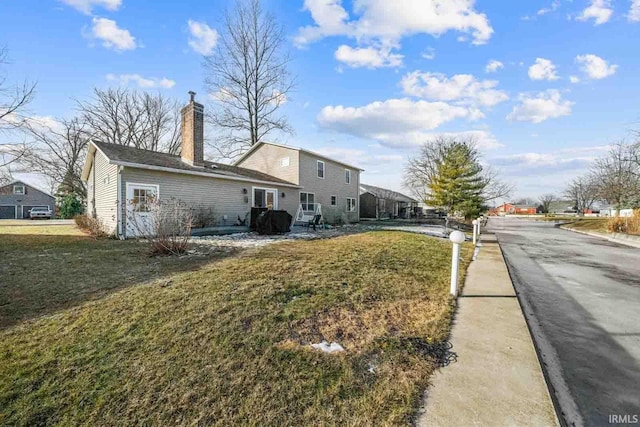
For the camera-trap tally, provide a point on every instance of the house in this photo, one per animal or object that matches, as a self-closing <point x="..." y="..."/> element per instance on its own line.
<point x="562" y="207"/>
<point x="325" y="184"/>
<point x="379" y="203"/>
<point x="122" y="180"/>
<point x="17" y="199"/>
<point x="513" y="209"/>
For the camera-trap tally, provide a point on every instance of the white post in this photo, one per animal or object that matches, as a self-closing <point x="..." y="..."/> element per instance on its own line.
<point x="479" y="225"/>
<point x="456" y="238"/>
<point x="476" y="228"/>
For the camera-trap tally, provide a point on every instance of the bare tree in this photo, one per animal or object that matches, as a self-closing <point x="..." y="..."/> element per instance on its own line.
<point x="249" y="78"/>
<point x="59" y="154"/>
<point x="583" y="192"/>
<point x="14" y="100"/>
<point x="617" y="175"/>
<point x="546" y="200"/>
<point x="136" y="119"/>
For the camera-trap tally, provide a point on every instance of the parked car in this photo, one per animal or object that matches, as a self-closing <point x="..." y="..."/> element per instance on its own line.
<point x="40" y="212"/>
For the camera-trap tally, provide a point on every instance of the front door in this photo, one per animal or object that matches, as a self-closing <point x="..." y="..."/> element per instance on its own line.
<point x="265" y="198"/>
<point x="140" y="199"/>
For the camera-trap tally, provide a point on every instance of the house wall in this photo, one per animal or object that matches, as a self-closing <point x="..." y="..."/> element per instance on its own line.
<point x="267" y="159"/>
<point x="24" y="202"/>
<point x="332" y="184"/>
<point x="368" y="206"/>
<point x="226" y="197"/>
<point x="102" y="192"/>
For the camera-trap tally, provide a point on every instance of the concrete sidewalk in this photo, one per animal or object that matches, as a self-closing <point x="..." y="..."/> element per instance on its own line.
<point x="497" y="380"/>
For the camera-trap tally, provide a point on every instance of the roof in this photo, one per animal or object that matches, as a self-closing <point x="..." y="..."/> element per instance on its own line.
<point x="147" y="159"/>
<point x="383" y="193"/>
<point x="303" y="150"/>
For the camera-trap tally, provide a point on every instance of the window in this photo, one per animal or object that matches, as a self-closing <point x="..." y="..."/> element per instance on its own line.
<point x="334" y="200"/>
<point x="284" y="162"/>
<point x="307" y="200"/>
<point x="18" y="189"/>
<point x="347" y="176"/>
<point x="320" y="169"/>
<point x="142" y="198"/>
<point x="351" y="204"/>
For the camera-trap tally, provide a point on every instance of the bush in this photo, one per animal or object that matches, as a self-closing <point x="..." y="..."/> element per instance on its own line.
<point x="94" y="226"/>
<point x="628" y="225"/>
<point x="166" y="226"/>
<point x="70" y="207"/>
<point x="202" y="217"/>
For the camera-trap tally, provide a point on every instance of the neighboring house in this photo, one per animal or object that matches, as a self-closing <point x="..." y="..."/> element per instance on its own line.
<point x="380" y="203"/>
<point x="562" y="207"/>
<point x="513" y="209"/>
<point x="122" y="180"/>
<point x="18" y="197"/>
<point x="326" y="182"/>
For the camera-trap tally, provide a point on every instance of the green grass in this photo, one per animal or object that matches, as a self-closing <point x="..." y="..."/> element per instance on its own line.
<point x="228" y="343"/>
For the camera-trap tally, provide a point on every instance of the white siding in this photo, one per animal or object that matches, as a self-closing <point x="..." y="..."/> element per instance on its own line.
<point x="104" y="177"/>
<point x="268" y="159"/>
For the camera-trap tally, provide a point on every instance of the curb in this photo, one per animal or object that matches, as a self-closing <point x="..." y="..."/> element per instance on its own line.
<point x="623" y="239"/>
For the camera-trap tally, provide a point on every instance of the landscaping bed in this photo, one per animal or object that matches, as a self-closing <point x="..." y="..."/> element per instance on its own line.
<point x="229" y="341"/>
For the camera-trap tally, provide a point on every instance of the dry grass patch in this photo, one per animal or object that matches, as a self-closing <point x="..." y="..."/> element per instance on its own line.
<point x="589" y="224"/>
<point x="227" y="344"/>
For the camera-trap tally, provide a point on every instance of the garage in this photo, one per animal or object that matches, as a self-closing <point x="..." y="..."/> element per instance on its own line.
<point x="8" y="211"/>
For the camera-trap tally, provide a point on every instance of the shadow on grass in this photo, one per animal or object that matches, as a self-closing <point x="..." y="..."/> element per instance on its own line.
<point x="42" y="274"/>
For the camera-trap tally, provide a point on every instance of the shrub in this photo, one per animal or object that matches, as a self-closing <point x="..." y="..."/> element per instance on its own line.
<point x="70" y="207"/>
<point x="202" y="217"/>
<point x="166" y="226"/>
<point x="628" y="225"/>
<point x="94" y="226"/>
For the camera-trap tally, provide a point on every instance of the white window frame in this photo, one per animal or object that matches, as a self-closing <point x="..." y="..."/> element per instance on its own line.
<point x="285" y="162"/>
<point x="324" y="169"/>
<point x="275" y="198"/>
<point x="24" y="189"/>
<point x="353" y="207"/>
<point x="347" y="176"/>
<point x="132" y="186"/>
<point x="307" y="203"/>
<point x="333" y="200"/>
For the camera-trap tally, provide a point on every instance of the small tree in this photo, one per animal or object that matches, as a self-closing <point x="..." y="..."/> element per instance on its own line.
<point x="583" y="192"/>
<point x="545" y="202"/>
<point x="70" y="206"/>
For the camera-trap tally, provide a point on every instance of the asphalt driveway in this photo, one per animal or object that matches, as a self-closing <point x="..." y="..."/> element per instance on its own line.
<point x="581" y="297"/>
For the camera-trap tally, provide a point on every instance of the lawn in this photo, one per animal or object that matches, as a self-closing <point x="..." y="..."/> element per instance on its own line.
<point x="225" y="341"/>
<point x="589" y="224"/>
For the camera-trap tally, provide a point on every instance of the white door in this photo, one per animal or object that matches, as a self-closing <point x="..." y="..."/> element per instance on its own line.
<point x="140" y="199"/>
<point x="265" y="198"/>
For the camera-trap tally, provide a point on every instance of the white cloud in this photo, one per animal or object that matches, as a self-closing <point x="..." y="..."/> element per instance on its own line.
<point x="493" y="66"/>
<point x="430" y="53"/>
<point x="554" y="6"/>
<point x="86" y="6"/>
<point x="369" y="57"/>
<point x="111" y="35"/>
<point x="595" y="67"/>
<point x="543" y="69"/>
<point x="540" y="107"/>
<point x="574" y="79"/>
<point x="376" y="20"/>
<point x="634" y="12"/>
<point x="203" y="38"/>
<point x="559" y="160"/>
<point x="599" y="10"/>
<point x="465" y="89"/>
<point x="385" y="120"/>
<point x="143" y="82"/>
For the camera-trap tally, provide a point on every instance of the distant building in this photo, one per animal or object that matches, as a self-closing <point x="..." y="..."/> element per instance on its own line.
<point x="17" y="198"/>
<point x="513" y="209"/>
<point x="380" y="203"/>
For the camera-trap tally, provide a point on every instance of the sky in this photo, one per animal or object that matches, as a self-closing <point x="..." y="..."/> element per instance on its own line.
<point x="543" y="85"/>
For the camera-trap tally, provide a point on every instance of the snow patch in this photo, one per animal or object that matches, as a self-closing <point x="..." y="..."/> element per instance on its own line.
<point x="334" y="347"/>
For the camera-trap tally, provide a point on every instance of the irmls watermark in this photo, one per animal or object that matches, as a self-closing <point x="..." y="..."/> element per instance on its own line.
<point x="624" y="419"/>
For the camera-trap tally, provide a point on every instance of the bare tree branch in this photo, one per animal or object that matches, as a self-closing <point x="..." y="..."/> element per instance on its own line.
<point x="13" y="99"/>
<point x="248" y="77"/>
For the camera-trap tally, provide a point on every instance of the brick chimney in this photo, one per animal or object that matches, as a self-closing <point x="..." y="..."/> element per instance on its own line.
<point x="193" y="132"/>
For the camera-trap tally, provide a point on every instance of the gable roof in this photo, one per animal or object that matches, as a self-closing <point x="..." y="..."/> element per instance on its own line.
<point x="302" y="150"/>
<point x="17" y="181"/>
<point x="147" y="159"/>
<point x="383" y="193"/>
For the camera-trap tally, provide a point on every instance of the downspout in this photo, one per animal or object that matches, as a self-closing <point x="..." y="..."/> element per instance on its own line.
<point x="93" y="188"/>
<point x="119" y="205"/>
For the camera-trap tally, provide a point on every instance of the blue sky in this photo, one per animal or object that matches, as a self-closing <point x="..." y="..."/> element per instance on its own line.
<point x="373" y="80"/>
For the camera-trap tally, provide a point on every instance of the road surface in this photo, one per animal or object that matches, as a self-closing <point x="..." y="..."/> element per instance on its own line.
<point x="581" y="297"/>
